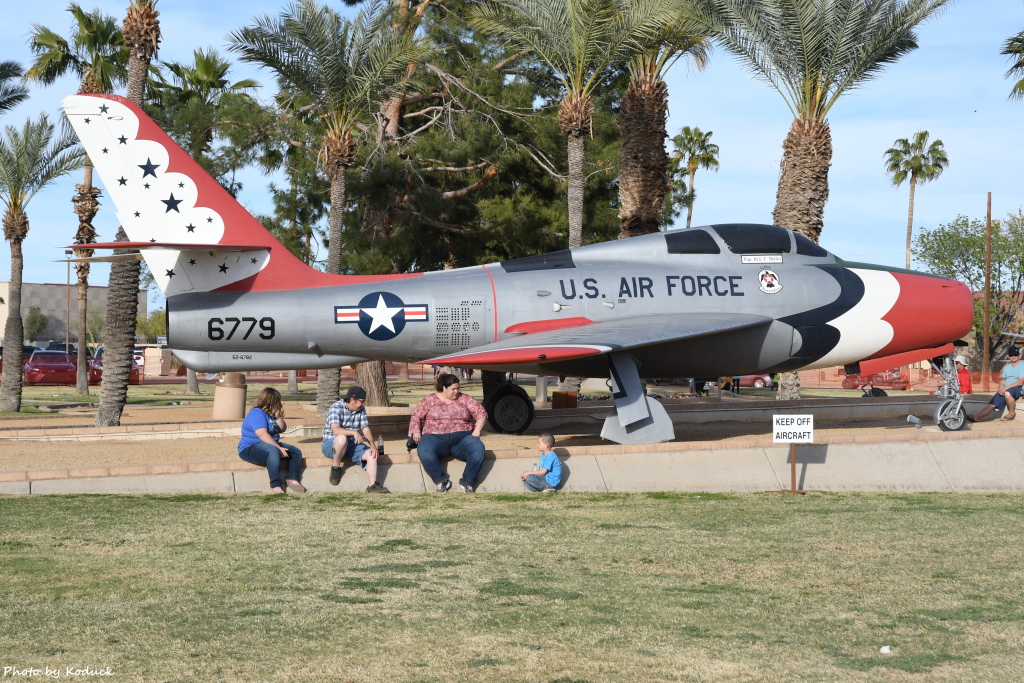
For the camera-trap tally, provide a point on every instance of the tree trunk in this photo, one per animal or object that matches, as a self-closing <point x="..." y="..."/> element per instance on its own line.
<point x="82" y="378"/>
<point x="119" y="336"/>
<point x="373" y="377"/>
<point x="328" y="380"/>
<point x="86" y="205"/>
<point x="14" y="335"/>
<point x="293" y="381"/>
<point x="138" y="70"/>
<point x="643" y="162"/>
<point x="800" y="200"/>
<point x="910" y="215"/>
<point x="689" y="193"/>
<point x="803" y="178"/>
<point x="576" y="186"/>
<point x="191" y="382"/>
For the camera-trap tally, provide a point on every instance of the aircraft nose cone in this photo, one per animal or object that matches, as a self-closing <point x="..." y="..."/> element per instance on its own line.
<point x="929" y="311"/>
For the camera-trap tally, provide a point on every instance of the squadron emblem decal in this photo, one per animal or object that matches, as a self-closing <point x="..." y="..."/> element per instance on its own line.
<point x="768" y="282"/>
<point x="381" y="315"/>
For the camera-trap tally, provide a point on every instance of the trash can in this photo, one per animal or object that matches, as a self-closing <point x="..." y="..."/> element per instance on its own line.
<point x="229" y="397"/>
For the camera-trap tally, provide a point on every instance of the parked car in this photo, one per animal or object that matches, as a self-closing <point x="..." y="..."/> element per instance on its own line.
<point x="898" y="379"/>
<point x="758" y="381"/>
<point x="26" y="354"/>
<point x="96" y="369"/>
<point x="49" y="367"/>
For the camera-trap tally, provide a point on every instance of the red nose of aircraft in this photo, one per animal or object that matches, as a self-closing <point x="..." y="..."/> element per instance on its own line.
<point x="929" y="311"/>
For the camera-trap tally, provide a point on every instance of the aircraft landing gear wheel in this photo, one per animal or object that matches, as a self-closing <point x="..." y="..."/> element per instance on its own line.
<point x="950" y="416"/>
<point x="509" y="410"/>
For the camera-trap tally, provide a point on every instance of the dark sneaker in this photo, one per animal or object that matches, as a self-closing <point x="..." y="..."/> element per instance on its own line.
<point x="295" y="487"/>
<point x="548" y="489"/>
<point x="335" y="475"/>
<point x="444" y="486"/>
<point x="375" y="487"/>
<point x="466" y="488"/>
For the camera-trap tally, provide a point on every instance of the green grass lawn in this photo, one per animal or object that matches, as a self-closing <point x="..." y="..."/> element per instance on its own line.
<point x="567" y="587"/>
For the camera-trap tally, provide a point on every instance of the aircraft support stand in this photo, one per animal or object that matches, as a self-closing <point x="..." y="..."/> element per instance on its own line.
<point x="635" y="419"/>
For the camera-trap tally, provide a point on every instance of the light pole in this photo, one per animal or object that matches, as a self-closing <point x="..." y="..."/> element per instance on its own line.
<point x="67" y="311"/>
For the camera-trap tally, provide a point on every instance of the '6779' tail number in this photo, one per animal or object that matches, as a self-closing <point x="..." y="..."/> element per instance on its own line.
<point x="224" y="329"/>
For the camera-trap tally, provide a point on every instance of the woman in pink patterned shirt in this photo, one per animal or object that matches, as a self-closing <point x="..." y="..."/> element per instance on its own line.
<point x="449" y="423"/>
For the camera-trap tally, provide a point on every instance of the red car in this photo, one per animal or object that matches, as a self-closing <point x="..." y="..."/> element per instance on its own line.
<point x="759" y="381"/>
<point x="49" y="367"/>
<point x="96" y="369"/>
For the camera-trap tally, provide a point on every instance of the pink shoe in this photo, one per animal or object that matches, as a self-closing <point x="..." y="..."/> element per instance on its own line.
<point x="277" y="489"/>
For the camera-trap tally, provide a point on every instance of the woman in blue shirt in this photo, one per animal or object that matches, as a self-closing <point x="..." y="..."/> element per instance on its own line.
<point x="261" y="441"/>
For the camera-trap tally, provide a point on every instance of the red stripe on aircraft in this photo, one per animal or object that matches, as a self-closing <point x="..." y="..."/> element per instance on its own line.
<point x="545" y="325"/>
<point x="914" y="321"/>
<point x="494" y="296"/>
<point x="534" y="354"/>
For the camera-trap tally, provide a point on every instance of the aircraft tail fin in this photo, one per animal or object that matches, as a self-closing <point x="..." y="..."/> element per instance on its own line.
<point x="199" y="237"/>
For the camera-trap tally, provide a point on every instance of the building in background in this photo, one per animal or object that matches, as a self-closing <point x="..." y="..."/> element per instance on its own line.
<point x="53" y="302"/>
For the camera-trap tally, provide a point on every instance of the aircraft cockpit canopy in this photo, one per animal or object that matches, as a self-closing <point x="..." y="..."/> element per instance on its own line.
<point x="748" y="238"/>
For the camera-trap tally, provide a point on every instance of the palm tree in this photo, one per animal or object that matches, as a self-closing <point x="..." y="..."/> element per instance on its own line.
<point x="920" y="162"/>
<point x="30" y="159"/>
<point x="1014" y="49"/>
<point x="694" y="147"/>
<point x="345" y="69"/>
<point x="11" y="94"/>
<point x="142" y="37"/>
<point x="95" y="53"/>
<point x="580" y="42"/>
<point x="643" y="163"/>
<point x="812" y="52"/>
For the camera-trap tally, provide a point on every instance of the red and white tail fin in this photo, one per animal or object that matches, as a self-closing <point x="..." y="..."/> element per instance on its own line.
<point x="193" y="234"/>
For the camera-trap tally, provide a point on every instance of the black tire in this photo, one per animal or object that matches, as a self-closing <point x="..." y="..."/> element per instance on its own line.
<point x="951" y="424"/>
<point x="509" y="410"/>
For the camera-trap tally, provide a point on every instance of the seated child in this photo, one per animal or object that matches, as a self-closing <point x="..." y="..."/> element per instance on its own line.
<point x="548" y="474"/>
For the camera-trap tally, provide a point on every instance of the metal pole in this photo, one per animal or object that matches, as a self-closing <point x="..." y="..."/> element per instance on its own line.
<point x="986" y="358"/>
<point x="67" y="308"/>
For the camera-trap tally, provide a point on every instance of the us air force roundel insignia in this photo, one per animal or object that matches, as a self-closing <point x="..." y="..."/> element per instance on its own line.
<point x="768" y="281"/>
<point x="380" y="315"/>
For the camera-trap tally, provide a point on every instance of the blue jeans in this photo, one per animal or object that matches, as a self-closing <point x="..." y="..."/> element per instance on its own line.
<point x="268" y="456"/>
<point x="460" y="445"/>
<point x="353" y="452"/>
<point x="535" y="482"/>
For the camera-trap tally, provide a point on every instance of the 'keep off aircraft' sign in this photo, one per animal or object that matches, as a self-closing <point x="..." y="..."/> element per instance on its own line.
<point x="792" y="429"/>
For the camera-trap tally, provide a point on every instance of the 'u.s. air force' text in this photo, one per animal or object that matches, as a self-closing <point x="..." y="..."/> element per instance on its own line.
<point x="643" y="287"/>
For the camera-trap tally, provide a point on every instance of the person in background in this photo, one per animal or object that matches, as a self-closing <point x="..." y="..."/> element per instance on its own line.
<point x="547" y="474"/>
<point x="1008" y="391"/>
<point x="261" y="442"/>
<point x="347" y="436"/>
<point x="963" y="375"/>
<point x="449" y="422"/>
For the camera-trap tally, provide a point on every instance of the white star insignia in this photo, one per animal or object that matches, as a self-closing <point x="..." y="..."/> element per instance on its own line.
<point x="382" y="315"/>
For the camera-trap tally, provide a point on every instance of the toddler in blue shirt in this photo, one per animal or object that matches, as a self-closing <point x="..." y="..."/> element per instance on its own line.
<point x="548" y="474"/>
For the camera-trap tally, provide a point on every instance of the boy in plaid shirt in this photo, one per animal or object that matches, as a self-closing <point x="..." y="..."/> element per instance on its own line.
<point x="347" y="435"/>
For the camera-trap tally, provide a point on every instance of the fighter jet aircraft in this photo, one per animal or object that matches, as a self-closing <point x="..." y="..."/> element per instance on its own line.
<point x="717" y="300"/>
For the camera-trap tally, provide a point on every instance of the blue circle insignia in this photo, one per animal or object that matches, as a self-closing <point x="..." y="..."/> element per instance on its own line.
<point x="381" y="316"/>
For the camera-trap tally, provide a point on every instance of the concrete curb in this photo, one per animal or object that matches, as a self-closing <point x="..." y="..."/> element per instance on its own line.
<point x="957" y="465"/>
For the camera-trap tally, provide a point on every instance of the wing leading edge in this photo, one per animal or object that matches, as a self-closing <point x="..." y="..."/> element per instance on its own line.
<point x="600" y="338"/>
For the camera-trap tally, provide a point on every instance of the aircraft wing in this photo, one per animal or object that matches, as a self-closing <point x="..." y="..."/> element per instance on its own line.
<point x="600" y="338"/>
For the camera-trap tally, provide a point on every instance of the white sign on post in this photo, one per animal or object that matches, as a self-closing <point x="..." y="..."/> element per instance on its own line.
<point x="792" y="429"/>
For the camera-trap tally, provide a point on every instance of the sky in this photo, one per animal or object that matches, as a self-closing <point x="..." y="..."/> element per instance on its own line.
<point x="952" y="86"/>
